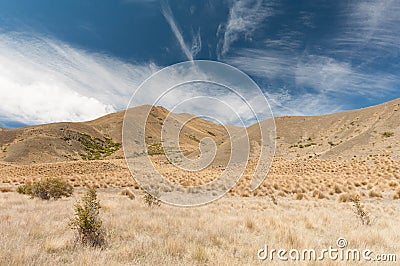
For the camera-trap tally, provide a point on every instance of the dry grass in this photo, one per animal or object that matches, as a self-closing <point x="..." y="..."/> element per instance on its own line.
<point x="375" y="176"/>
<point x="303" y="203"/>
<point x="226" y="232"/>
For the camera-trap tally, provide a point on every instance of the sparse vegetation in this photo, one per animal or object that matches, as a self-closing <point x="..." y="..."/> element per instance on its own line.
<point x="96" y="148"/>
<point x="387" y="134"/>
<point x="87" y="222"/>
<point x="46" y="189"/>
<point x="155" y="149"/>
<point x="194" y="138"/>
<point x="310" y="144"/>
<point x="331" y="143"/>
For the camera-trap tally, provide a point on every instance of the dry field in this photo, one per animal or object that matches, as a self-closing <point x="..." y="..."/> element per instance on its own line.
<point x="226" y="232"/>
<point x="375" y="176"/>
<point x="312" y="211"/>
<point x="321" y="163"/>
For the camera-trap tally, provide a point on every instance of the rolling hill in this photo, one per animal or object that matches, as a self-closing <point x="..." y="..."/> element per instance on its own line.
<point x="349" y="134"/>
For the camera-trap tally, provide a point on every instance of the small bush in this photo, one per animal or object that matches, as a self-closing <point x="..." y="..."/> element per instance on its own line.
<point x="55" y="188"/>
<point x="361" y="213"/>
<point x="86" y="220"/>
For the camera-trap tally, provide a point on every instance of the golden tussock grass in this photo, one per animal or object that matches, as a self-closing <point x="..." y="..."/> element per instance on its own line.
<point x="226" y="232"/>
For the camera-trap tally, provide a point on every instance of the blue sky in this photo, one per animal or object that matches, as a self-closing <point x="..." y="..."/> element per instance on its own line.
<point x="76" y="60"/>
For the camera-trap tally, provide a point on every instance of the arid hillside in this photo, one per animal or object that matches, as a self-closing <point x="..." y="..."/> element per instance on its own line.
<point x="98" y="139"/>
<point x="356" y="133"/>
<point x="350" y="134"/>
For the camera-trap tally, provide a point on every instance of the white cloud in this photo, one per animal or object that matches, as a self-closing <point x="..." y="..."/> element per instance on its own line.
<point x="329" y="75"/>
<point x="327" y="78"/>
<point x="244" y="18"/>
<point x="43" y="80"/>
<point x="284" y="104"/>
<point x="196" y="44"/>
<point x="370" y="24"/>
<point x="196" y="40"/>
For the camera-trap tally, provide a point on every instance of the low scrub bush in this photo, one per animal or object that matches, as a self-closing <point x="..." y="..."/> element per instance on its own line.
<point x="55" y="188"/>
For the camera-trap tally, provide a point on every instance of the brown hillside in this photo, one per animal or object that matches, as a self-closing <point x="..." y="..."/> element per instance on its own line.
<point x="350" y="134"/>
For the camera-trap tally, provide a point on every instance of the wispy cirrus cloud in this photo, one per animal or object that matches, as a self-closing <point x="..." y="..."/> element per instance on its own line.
<point x="284" y="103"/>
<point x="328" y="75"/>
<point x="43" y="80"/>
<point x="369" y="27"/>
<point x="196" y="38"/>
<point x="196" y="44"/>
<point x="312" y="79"/>
<point x="355" y="61"/>
<point x="244" y="18"/>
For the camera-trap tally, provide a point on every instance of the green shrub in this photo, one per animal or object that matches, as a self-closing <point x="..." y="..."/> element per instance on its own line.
<point x="55" y="188"/>
<point x="86" y="221"/>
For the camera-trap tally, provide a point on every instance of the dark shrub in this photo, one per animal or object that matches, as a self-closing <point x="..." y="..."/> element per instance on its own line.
<point x="46" y="189"/>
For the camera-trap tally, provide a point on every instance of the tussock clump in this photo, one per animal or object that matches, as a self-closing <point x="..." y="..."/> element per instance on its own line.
<point x="55" y="188"/>
<point x="347" y="197"/>
<point x="374" y="194"/>
<point x="6" y="189"/>
<point x="318" y="194"/>
<point x="199" y="254"/>
<point x="338" y="189"/>
<point x="396" y="195"/>
<point x="299" y="196"/>
<point x="250" y="223"/>
<point x="128" y="193"/>
<point x="281" y="194"/>
<point x="86" y="221"/>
